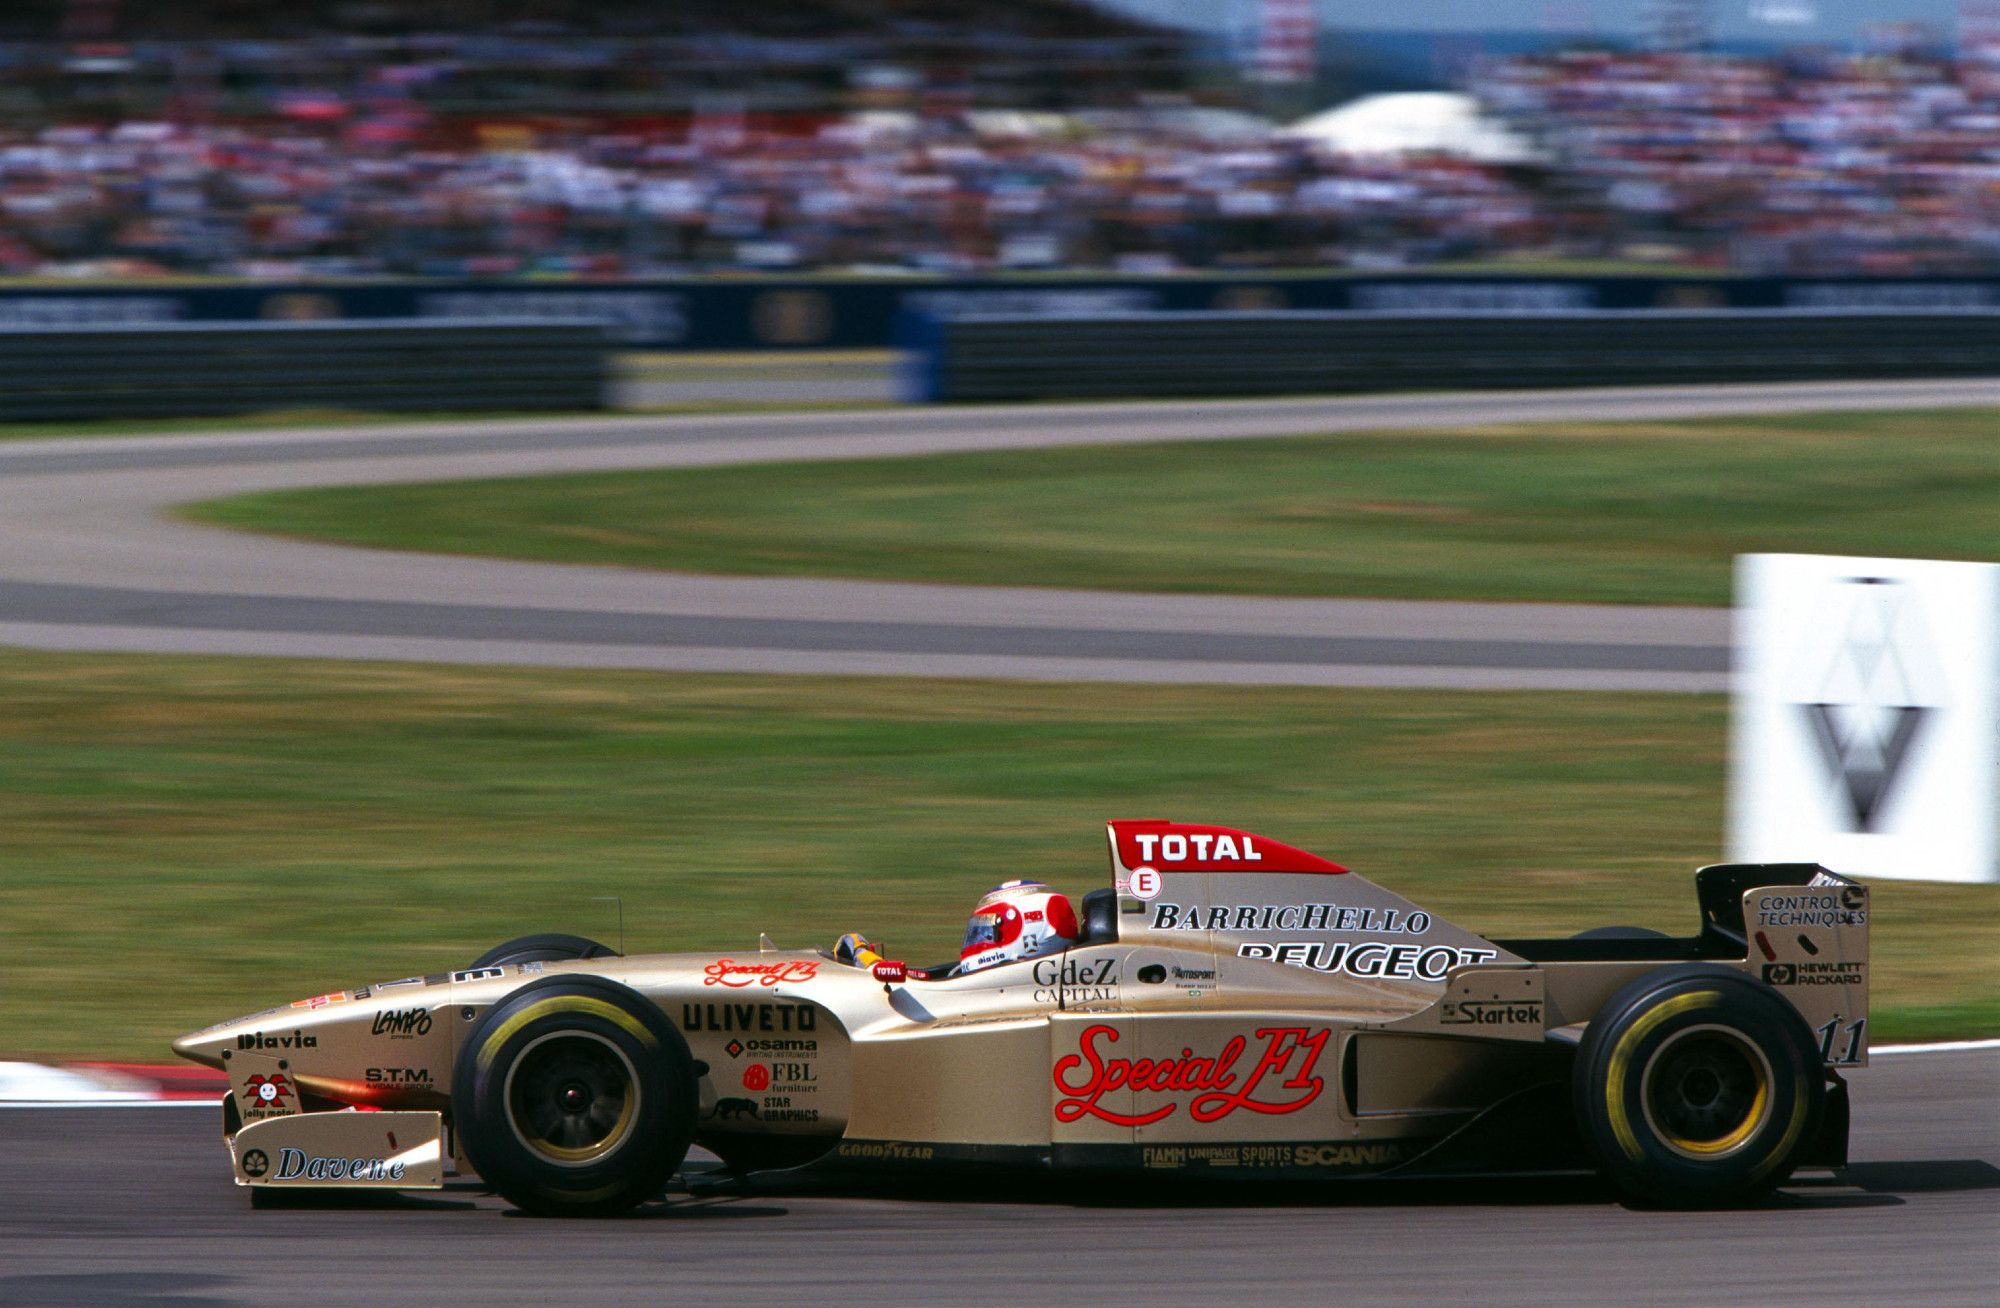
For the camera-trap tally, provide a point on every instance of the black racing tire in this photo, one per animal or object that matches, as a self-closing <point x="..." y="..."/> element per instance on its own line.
<point x="1697" y="1087"/>
<point x="548" y="947"/>
<point x="575" y="1097"/>
<point x="1621" y="933"/>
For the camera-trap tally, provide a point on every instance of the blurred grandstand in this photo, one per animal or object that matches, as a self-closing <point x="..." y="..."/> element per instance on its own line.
<point x="613" y="138"/>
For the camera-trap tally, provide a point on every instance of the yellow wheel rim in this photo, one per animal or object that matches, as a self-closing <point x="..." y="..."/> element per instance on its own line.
<point x="572" y="1097"/>
<point x="1706" y="1091"/>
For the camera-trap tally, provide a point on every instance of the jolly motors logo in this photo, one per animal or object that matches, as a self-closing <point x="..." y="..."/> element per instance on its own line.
<point x="1280" y="1081"/>
<point x="729" y="972"/>
<point x="402" y="1024"/>
<point x="268" y="1092"/>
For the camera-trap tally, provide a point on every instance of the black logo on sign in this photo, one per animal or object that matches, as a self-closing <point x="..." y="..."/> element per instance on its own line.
<point x="1780" y="974"/>
<point x="256" y="1163"/>
<point x="1867" y="717"/>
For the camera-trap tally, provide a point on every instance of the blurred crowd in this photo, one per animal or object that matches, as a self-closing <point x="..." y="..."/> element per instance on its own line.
<point x="375" y="193"/>
<point x="1880" y="163"/>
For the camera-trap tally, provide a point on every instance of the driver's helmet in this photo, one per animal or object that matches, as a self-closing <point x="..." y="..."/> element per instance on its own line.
<point x="1018" y="920"/>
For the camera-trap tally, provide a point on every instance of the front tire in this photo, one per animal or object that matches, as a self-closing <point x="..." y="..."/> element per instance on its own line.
<point x="1697" y="1087"/>
<point x="575" y="1097"/>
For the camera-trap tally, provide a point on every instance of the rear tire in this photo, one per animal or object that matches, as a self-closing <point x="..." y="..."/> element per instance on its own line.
<point x="547" y="947"/>
<point x="1697" y="1087"/>
<point x="575" y="1097"/>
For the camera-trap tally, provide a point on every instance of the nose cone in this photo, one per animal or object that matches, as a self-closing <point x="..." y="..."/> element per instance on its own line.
<point x="204" y="1047"/>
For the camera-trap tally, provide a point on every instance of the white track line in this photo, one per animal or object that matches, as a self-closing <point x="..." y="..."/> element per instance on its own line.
<point x="1941" y="1047"/>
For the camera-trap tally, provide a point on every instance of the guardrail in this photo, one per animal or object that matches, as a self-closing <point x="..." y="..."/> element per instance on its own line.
<point x="845" y="313"/>
<point x="992" y="357"/>
<point x="203" y="369"/>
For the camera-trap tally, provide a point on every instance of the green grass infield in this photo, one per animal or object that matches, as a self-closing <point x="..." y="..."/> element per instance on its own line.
<point x="1644" y="513"/>
<point x="184" y="840"/>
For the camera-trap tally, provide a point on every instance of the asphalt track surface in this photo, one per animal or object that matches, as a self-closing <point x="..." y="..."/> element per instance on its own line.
<point x="90" y="559"/>
<point x="119" y="1208"/>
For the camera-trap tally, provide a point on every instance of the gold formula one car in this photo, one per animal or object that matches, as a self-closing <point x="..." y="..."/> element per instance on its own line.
<point x="1231" y="1007"/>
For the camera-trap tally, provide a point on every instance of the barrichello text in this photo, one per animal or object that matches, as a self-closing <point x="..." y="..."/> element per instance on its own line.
<point x="1289" y="917"/>
<point x="1278" y="1080"/>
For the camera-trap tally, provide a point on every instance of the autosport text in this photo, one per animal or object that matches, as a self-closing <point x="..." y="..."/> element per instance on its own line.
<point x="258" y="1040"/>
<point x="402" y="1024"/>
<point x="1076" y="981"/>
<point x="1280" y="1081"/>
<point x="749" y="1017"/>
<point x="1846" y="908"/>
<point x="296" y="1165"/>
<point x="1289" y="917"/>
<point x="729" y="972"/>
<point x="1423" y="962"/>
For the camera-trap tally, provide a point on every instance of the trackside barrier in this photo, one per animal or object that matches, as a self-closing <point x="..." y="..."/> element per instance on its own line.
<point x="201" y="369"/>
<point x="1005" y="357"/>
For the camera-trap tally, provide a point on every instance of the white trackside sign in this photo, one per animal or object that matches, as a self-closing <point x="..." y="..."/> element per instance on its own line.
<point x="1865" y="731"/>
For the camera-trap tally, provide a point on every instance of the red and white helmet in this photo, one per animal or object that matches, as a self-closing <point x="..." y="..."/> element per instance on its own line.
<point x="1017" y="920"/>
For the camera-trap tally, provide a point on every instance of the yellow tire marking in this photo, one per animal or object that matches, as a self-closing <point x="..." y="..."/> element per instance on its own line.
<point x="1621" y="1058"/>
<point x="563" y="1004"/>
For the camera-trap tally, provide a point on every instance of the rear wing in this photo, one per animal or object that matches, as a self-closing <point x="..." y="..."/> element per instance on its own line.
<point x="1797" y="927"/>
<point x="1804" y="932"/>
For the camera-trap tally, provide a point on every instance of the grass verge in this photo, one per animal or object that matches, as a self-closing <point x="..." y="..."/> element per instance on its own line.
<point x="185" y="839"/>
<point x="1648" y="513"/>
